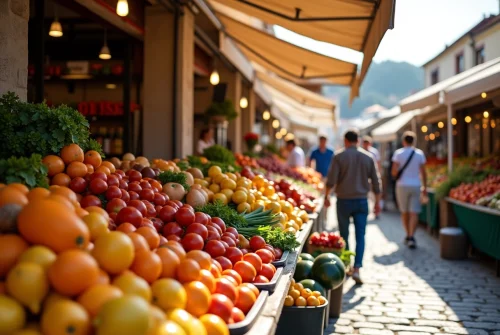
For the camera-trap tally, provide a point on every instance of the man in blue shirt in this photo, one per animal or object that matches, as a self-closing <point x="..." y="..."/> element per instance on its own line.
<point x="322" y="156"/>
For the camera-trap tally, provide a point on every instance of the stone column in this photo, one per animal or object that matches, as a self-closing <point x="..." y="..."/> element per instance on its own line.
<point x="248" y="115"/>
<point x="234" y="133"/>
<point x="14" y="15"/>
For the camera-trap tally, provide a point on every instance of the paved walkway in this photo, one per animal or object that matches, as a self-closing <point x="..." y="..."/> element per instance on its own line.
<point x="415" y="292"/>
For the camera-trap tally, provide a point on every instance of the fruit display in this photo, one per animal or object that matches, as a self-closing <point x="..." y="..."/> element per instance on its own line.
<point x="328" y="240"/>
<point x="243" y="160"/>
<point x="301" y="296"/>
<point x="483" y="193"/>
<point x="327" y="270"/>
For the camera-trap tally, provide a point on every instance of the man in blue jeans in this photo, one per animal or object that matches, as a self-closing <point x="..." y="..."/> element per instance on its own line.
<point x="350" y="173"/>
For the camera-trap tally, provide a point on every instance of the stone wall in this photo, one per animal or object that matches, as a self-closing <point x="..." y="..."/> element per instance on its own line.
<point x="14" y="16"/>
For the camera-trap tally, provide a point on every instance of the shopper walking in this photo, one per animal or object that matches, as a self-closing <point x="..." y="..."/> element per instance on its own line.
<point x="322" y="157"/>
<point x="350" y="174"/>
<point x="296" y="156"/>
<point x="408" y="165"/>
<point x="367" y="145"/>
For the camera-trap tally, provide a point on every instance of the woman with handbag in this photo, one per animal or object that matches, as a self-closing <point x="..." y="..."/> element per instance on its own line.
<point x="408" y="165"/>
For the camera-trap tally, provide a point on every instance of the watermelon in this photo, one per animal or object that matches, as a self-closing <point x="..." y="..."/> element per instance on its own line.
<point x="328" y="270"/>
<point x="303" y="270"/>
<point x="306" y="257"/>
<point x="313" y="286"/>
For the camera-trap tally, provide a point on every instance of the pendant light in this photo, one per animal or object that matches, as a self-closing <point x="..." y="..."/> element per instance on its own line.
<point x="122" y="8"/>
<point x="214" y="78"/>
<point x="266" y="115"/>
<point x="243" y="102"/>
<point x="55" y="27"/>
<point x="105" y="53"/>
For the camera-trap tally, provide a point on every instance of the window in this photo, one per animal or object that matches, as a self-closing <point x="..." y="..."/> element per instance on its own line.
<point x="480" y="57"/>
<point x="459" y="63"/>
<point x="434" y="76"/>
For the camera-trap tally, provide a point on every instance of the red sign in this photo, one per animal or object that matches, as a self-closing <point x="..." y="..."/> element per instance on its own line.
<point x="104" y="108"/>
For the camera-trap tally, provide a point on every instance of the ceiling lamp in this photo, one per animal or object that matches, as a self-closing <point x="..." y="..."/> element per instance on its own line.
<point x="432" y="137"/>
<point x="468" y="119"/>
<point x="55" y="27"/>
<point x="486" y="114"/>
<point x="424" y="129"/>
<point x="283" y="131"/>
<point x="122" y="8"/>
<point x="278" y="136"/>
<point x="214" y="78"/>
<point x="266" y="115"/>
<point x="453" y="121"/>
<point x="484" y="95"/>
<point x="276" y="124"/>
<point x="105" y="53"/>
<point x="440" y="124"/>
<point x="243" y="102"/>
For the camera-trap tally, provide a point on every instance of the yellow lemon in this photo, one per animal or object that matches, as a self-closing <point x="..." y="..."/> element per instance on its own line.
<point x="132" y="284"/>
<point x="214" y="170"/>
<point x="214" y="324"/>
<point x="231" y="176"/>
<point x="169" y="293"/>
<point x="289" y="301"/>
<point x="97" y="224"/>
<point x="169" y="328"/>
<point x="12" y="315"/>
<point x="221" y="197"/>
<point x="27" y="283"/>
<point x="183" y="319"/>
<point x="228" y="183"/>
<point x="214" y="188"/>
<point x="127" y="315"/>
<point x="40" y="255"/>
<point x="156" y="318"/>
<point x="219" y="178"/>
<point x="300" y="301"/>
<point x="239" y="197"/>
<point x="244" y="207"/>
<point x="228" y="193"/>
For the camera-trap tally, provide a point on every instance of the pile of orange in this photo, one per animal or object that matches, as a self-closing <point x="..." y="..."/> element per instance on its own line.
<point x="300" y="296"/>
<point x="65" y="270"/>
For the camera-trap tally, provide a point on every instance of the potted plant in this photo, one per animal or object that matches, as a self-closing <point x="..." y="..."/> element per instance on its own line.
<point x="221" y="111"/>
<point x="251" y="140"/>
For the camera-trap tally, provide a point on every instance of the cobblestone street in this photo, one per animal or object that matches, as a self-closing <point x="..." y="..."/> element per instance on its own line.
<point x="415" y="292"/>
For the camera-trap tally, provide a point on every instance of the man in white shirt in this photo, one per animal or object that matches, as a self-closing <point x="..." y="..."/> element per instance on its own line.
<point x="296" y="156"/>
<point x="408" y="166"/>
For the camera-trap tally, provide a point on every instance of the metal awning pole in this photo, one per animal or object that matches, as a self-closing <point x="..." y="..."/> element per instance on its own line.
<point x="450" y="137"/>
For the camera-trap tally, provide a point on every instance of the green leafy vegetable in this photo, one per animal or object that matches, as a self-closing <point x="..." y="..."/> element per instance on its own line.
<point x="25" y="170"/>
<point x="230" y="217"/>
<point x="276" y="237"/>
<point x="174" y="177"/>
<point x="217" y="153"/>
<point x="183" y="165"/>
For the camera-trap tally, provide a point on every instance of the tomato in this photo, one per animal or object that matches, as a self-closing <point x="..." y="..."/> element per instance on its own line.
<point x="163" y="240"/>
<point x="98" y="186"/>
<point x="123" y="184"/>
<point x="278" y="253"/>
<point x="133" y="175"/>
<point x="198" y="228"/>
<point x="125" y="196"/>
<point x="78" y="185"/>
<point x="255" y="260"/>
<point x="266" y="255"/>
<point x="99" y="175"/>
<point x="230" y="241"/>
<point x="174" y="238"/>
<point x="192" y="241"/>
<point x="113" y="192"/>
<point x="158" y="224"/>
<point x="150" y="209"/>
<point x="221" y="306"/>
<point x="257" y="242"/>
<point x="233" y="231"/>
<point x="244" y="251"/>
<point x="133" y="195"/>
<point x="224" y="262"/>
<point x="134" y="186"/>
<point x="90" y="200"/>
<point x="215" y="226"/>
<point x="246" y="271"/>
<point x="159" y="199"/>
<point x="219" y="222"/>
<point x="267" y="271"/>
<point x="271" y="249"/>
<point x="201" y="218"/>
<point x="172" y="204"/>
<point x="227" y="287"/>
<point x="188" y="207"/>
<point x="230" y="273"/>
<point x="114" y="205"/>
<point x="172" y="228"/>
<point x="113" y="180"/>
<point x="139" y="205"/>
<point x="167" y="213"/>
<point x="260" y="279"/>
<point x="213" y="236"/>
<point x="234" y="255"/>
<point x="225" y="244"/>
<point x="230" y="236"/>
<point x="214" y="248"/>
<point x="184" y="216"/>
<point x="145" y="185"/>
<point x="147" y="194"/>
<point x="179" y="203"/>
<point x="237" y="315"/>
<point x="129" y="214"/>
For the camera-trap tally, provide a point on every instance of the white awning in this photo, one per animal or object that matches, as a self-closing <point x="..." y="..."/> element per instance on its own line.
<point x="387" y="132"/>
<point x="261" y="92"/>
<point x="229" y="49"/>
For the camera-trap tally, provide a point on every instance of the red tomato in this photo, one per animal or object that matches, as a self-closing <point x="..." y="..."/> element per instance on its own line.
<point x="147" y="222"/>
<point x="123" y="184"/>
<point x="268" y="271"/>
<point x="213" y="236"/>
<point x="219" y="222"/>
<point x="237" y="315"/>
<point x="98" y="186"/>
<point x="174" y="238"/>
<point x="215" y="226"/>
<point x="120" y="172"/>
<point x="233" y="254"/>
<point x="150" y="209"/>
<point x="225" y="244"/>
<point x="172" y="228"/>
<point x="167" y="213"/>
<point x="129" y="214"/>
<point x="145" y="185"/>
<point x="99" y="175"/>
<point x="230" y="235"/>
<point x="125" y="196"/>
<point x="90" y="200"/>
<point x="215" y="248"/>
<point x="173" y="204"/>
<point x="278" y="253"/>
<point x="133" y="195"/>
<point x="114" y="205"/>
<point x="113" y="180"/>
<point x="265" y="255"/>
<point x="233" y="231"/>
<point x="198" y="228"/>
<point x="230" y="241"/>
<point x="78" y="185"/>
<point x="188" y="207"/>
<point x="255" y="260"/>
<point x="257" y="242"/>
<point x="224" y="262"/>
<point x="217" y="265"/>
<point x="184" y="216"/>
<point x="201" y="217"/>
<point x="113" y="192"/>
<point x="192" y="241"/>
<point x="244" y="251"/>
<point x="147" y="194"/>
<point x="246" y="271"/>
<point x="221" y="306"/>
<point x="261" y="280"/>
<point x="133" y="175"/>
<point x="134" y="186"/>
<point x="159" y="199"/>
<point x="158" y="224"/>
<point x="271" y="249"/>
<point x="179" y="203"/>
<point x="226" y="287"/>
<point x="139" y="205"/>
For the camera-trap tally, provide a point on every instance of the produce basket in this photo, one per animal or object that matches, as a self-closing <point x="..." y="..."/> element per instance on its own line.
<point x="316" y="250"/>
<point x="302" y="320"/>
<point x="272" y="283"/>
<point x="282" y="261"/>
<point x="244" y="326"/>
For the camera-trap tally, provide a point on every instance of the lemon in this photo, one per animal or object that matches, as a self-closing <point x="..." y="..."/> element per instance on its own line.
<point x="289" y="301"/>
<point x="244" y="207"/>
<point x="127" y="315"/>
<point x="239" y="197"/>
<point x="214" y="188"/>
<point x="169" y="293"/>
<point x="220" y="197"/>
<point x="40" y="255"/>
<point x="312" y="301"/>
<point x="27" y="282"/>
<point x="294" y="294"/>
<point x="169" y="328"/>
<point x="197" y="327"/>
<point x="214" y="170"/>
<point x="228" y="183"/>
<point x="231" y="176"/>
<point x="183" y="319"/>
<point x="12" y="315"/>
<point x="156" y="318"/>
<point x="65" y="316"/>
<point x="300" y="301"/>
<point x="132" y="284"/>
<point x="97" y="224"/>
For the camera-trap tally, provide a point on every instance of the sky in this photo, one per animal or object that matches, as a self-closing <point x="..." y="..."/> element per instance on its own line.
<point x="422" y="29"/>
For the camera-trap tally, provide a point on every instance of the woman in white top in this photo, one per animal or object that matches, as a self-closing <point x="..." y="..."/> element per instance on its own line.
<point x="206" y="140"/>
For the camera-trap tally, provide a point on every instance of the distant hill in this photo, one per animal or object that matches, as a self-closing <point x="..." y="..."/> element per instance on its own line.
<point x="386" y="84"/>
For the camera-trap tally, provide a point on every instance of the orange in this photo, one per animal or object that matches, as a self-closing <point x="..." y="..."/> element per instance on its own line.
<point x="51" y="224"/>
<point x="188" y="270"/>
<point x="289" y="301"/>
<point x="97" y="224"/>
<point x="109" y="165"/>
<point x="201" y="257"/>
<point x="65" y="315"/>
<point x="169" y="260"/>
<point x="207" y="278"/>
<point x="246" y="271"/>
<point x="175" y="247"/>
<point x="20" y="187"/>
<point x="255" y="260"/>
<point x="103" y="277"/>
<point x="147" y="265"/>
<point x="60" y="179"/>
<point x="132" y="284"/>
<point x="216" y="272"/>
<point x="97" y="295"/>
<point x="71" y="153"/>
<point x="227" y="288"/>
<point x="198" y="298"/>
<point x="233" y="274"/>
<point x="81" y="212"/>
<point x="38" y="193"/>
<point x="168" y="293"/>
<point x="245" y="300"/>
<point x="312" y="301"/>
<point x="322" y="300"/>
<point x="90" y="168"/>
<point x="300" y="301"/>
<point x="65" y="192"/>
<point x="11" y="195"/>
<point x="306" y="293"/>
<point x="151" y="236"/>
<point x="62" y="200"/>
<point x="294" y="294"/>
<point x="51" y="298"/>
<point x="254" y="288"/>
<point x="156" y="318"/>
<point x="103" y="169"/>
<point x="54" y="164"/>
<point x="126" y="227"/>
<point x="231" y="279"/>
<point x="11" y="248"/>
<point x="214" y="325"/>
<point x="316" y="294"/>
<point x="114" y="252"/>
<point x="140" y="243"/>
<point x="99" y="210"/>
<point x="73" y="272"/>
<point x="76" y="169"/>
<point x="168" y="328"/>
<point x="93" y="158"/>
